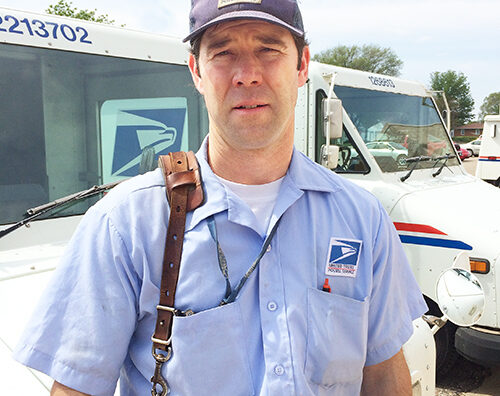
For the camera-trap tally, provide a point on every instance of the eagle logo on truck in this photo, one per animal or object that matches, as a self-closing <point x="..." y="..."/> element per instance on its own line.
<point x="134" y="132"/>
<point x="159" y="132"/>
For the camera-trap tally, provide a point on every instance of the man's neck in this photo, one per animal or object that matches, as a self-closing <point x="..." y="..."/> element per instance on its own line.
<point x="258" y="166"/>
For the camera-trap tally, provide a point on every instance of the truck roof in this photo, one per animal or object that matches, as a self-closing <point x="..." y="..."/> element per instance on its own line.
<point x="70" y="34"/>
<point x="492" y="118"/>
<point x="362" y="79"/>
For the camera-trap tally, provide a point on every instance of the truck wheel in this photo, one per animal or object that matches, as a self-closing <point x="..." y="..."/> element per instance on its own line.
<point x="446" y="354"/>
<point x="471" y="153"/>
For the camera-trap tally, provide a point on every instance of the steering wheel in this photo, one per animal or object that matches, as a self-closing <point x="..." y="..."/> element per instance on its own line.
<point x="345" y="155"/>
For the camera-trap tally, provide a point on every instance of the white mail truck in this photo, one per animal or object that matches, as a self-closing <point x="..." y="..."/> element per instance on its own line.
<point x="394" y="144"/>
<point x="488" y="165"/>
<point x="86" y="104"/>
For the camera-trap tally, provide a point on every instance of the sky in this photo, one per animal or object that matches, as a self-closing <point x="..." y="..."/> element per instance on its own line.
<point x="428" y="35"/>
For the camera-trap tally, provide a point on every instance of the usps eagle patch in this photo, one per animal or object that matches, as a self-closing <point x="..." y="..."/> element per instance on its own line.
<point x="343" y="257"/>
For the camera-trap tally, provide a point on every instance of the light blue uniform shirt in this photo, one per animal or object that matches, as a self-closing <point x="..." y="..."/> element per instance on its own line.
<point x="282" y="336"/>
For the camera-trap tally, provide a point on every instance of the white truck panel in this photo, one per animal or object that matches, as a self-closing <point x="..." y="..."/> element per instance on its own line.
<point x="488" y="165"/>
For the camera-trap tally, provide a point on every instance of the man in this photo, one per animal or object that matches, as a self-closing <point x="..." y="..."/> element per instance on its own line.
<point x="296" y="327"/>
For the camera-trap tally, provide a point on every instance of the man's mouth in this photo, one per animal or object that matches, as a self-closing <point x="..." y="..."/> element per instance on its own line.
<point x="249" y="107"/>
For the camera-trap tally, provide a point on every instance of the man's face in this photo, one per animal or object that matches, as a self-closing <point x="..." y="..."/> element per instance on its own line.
<point x="248" y="76"/>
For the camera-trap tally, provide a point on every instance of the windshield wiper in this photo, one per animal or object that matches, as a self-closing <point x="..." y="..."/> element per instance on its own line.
<point x="33" y="213"/>
<point x="446" y="157"/>
<point x="415" y="161"/>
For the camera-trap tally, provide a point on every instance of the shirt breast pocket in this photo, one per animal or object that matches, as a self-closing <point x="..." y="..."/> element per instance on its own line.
<point x="336" y="339"/>
<point x="207" y="347"/>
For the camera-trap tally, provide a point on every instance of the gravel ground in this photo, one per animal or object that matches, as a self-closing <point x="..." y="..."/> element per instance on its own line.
<point x="469" y="379"/>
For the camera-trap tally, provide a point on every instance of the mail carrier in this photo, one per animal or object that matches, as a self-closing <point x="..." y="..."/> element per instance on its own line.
<point x="85" y="104"/>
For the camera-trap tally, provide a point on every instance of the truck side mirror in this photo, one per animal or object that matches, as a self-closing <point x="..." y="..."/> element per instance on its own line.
<point x="329" y="156"/>
<point x="460" y="296"/>
<point x="333" y="118"/>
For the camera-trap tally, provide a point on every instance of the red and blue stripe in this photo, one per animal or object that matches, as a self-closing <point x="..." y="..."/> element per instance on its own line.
<point x="489" y="158"/>
<point x="429" y="236"/>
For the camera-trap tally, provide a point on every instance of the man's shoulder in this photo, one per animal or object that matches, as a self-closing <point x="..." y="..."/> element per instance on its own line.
<point x="142" y="190"/>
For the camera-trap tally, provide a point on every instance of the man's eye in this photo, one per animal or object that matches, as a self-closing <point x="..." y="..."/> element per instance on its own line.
<point x="267" y="49"/>
<point x="222" y="53"/>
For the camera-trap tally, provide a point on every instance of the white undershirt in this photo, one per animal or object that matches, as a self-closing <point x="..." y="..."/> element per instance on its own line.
<point x="260" y="198"/>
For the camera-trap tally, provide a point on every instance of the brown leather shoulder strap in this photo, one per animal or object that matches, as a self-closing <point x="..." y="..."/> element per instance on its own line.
<point x="184" y="193"/>
<point x="181" y="169"/>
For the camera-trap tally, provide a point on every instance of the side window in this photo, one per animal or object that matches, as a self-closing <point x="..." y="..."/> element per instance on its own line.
<point x="350" y="159"/>
<point x="395" y="126"/>
<point x="23" y="176"/>
<point x="73" y="120"/>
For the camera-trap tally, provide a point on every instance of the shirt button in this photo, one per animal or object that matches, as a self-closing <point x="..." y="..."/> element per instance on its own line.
<point x="272" y="306"/>
<point x="279" y="370"/>
<point x="268" y="248"/>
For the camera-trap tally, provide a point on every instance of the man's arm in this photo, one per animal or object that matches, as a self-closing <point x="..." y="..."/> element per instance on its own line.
<point x="390" y="377"/>
<point x="61" y="390"/>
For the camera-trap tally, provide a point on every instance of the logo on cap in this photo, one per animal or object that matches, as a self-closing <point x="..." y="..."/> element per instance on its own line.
<point x="343" y="257"/>
<point x="225" y="3"/>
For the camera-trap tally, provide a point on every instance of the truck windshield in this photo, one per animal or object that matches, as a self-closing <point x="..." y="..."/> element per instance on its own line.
<point x="395" y="127"/>
<point x="70" y="120"/>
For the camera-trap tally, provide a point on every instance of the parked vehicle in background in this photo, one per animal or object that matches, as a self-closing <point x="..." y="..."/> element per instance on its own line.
<point x="462" y="153"/>
<point x="473" y="147"/>
<point x="393" y="150"/>
<point x="488" y="166"/>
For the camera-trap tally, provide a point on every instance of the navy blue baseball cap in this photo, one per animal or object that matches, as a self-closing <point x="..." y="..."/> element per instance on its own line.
<point x="206" y="13"/>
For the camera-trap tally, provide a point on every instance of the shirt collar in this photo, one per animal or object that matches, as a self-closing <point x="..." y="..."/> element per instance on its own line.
<point x="215" y="196"/>
<point x="308" y="175"/>
<point x="302" y="175"/>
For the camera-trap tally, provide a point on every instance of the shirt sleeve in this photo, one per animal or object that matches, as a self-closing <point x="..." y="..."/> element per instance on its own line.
<point x="81" y="328"/>
<point x="395" y="300"/>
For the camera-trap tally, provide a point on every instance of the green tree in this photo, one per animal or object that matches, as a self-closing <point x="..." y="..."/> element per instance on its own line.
<point x="457" y="90"/>
<point x="65" y="9"/>
<point x="491" y="105"/>
<point x="368" y="57"/>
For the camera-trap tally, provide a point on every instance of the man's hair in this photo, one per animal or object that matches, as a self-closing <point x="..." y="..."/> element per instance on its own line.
<point x="300" y="43"/>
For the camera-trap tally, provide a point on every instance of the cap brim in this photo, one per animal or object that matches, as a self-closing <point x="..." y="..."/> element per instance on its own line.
<point x="244" y="15"/>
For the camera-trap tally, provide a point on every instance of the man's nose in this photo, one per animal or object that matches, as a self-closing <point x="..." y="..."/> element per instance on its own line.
<point x="248" y="71"/>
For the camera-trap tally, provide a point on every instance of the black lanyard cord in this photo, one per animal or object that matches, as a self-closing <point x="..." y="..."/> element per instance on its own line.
<point x="231" y="295"/>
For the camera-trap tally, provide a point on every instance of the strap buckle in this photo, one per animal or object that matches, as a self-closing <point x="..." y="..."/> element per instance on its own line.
<point x="159" y="341"/>
<point x="175" y="311"/>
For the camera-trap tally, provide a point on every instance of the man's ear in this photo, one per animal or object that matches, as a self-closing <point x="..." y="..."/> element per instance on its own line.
<point x="195" y="73"/>
<point x="304" y="66"/>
